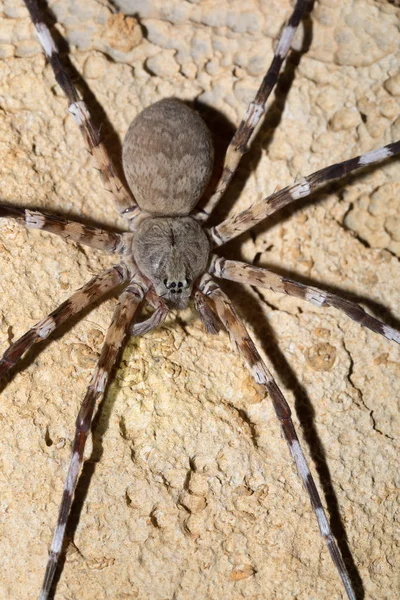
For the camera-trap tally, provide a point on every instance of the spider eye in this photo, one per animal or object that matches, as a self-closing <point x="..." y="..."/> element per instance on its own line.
<point x="173" y="291"/>
<point x="179" y="291"/>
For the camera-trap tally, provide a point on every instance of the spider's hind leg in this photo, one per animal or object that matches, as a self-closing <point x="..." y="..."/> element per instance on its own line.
<point x="128" y="303"/>
<point x="262" y="375"/>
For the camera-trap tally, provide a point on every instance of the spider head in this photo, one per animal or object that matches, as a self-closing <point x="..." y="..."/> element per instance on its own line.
<point x="172" y="252"/>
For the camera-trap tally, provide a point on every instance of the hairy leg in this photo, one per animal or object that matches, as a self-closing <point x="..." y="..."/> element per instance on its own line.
<point x="93" y="290"/>
<point x="245" y="273"/>
<point x="245" y="220"/>
<point x="122" y="318"/>
<point x="255" y="110"/>
<point x="240" y="337"/>
<point x="125" y="203"/>
<point x="114" y="243"/>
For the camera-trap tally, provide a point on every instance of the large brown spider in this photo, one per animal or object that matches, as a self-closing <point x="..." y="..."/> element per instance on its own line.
<point x="182" y="274"/>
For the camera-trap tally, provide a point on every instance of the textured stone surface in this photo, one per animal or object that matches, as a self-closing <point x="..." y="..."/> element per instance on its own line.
<point x="193" y="493"/>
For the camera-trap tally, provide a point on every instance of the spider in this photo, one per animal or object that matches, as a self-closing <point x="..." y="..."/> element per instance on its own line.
<point x="36" y="220"/>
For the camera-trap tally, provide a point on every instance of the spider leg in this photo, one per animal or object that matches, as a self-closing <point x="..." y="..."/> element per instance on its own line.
<point x="93" y="290"/>
<point x="122" y="318"/>
<point x="114" y="243"/>
<point x="255" y="110"/>
<point x="125" y="203"/>
<point x="237" y="224"/>
<point x="239" y="335"/>
<point x="264" y="278"/>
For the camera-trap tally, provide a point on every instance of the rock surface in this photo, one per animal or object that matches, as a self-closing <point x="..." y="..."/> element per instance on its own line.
<point x="193" y="494"/>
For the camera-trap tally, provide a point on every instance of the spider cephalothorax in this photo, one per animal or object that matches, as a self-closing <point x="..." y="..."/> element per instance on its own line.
<point x="166" y="256"/>
<point x="172" y="252"/>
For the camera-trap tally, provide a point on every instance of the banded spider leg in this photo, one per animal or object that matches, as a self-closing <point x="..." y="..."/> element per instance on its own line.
<point x="265" y="278"/>
<point x="262" y="375"/>
<point x="122" y="318"/>
<point x="255" y="110"/>
<point x="241" y="222"/>
<point x="77" y="107"/>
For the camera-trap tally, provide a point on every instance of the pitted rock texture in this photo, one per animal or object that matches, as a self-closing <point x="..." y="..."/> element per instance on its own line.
<point x="193" y="493"/>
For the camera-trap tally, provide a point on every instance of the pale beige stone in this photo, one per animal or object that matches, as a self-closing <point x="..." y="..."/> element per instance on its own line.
<point x="393" y="85"/>
<point x="345" y="118"/>
<point x="194" y="495"/>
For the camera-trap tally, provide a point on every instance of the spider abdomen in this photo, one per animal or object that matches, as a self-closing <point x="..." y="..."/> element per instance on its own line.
<point x="168" y="158"/>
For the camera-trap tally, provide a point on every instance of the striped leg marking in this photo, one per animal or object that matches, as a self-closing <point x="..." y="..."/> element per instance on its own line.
<point x="122" y="318"/>
<point x="237" y="224"/>
<point x="114" y="243"/>
<point x="86" y="295"/>
<point x="80" y="113"/>
<point x="255" y="110"/>
<point x="241" y="339"/>
<point x="244" y="273"/>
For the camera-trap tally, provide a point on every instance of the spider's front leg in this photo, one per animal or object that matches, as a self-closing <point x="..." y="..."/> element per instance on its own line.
<point x="156" y="319"/>
<point x="255" y="110"/>
<point x="124" y="201"/>
<point x="240" y="337"/>
<point x="264" y="278"/>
